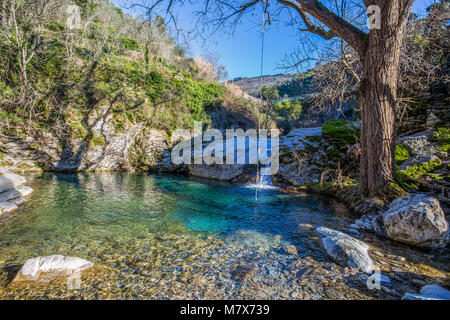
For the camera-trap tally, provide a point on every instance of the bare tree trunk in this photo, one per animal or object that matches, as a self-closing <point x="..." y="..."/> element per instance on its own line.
<point x="378" y="90"/>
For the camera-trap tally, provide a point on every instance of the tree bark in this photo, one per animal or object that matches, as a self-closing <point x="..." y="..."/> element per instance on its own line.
<point x="378" y="89"/>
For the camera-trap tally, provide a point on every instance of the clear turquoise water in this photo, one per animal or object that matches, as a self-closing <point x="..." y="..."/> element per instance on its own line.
<point x="168" y="236"/>
<point x="104" y="205"/>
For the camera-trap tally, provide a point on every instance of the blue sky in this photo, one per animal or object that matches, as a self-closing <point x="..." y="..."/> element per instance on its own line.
<point x="240" y="53"/>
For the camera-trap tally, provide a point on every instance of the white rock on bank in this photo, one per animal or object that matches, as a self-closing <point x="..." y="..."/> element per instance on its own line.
<point x="51" y="266"/>
<point x="9" y="180"/>
<point x="298" y="139"/>
<point x="346" y="250"/>
<point x="12" y="191"/>
<point x="429" y="292"/>
<point x="416" y="219"/>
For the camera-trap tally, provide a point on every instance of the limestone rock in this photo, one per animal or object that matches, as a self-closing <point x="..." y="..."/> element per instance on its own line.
<point x="432" y="120"/>
<point x="416" y="219"/>
<point x="216" y="171"/>
<point x="12" y="191"/>
<point x="419" y="143"/>
<point x="429" y="292"/>
<point x="299" y="174"/>
<point x="345" y="249"/>
<point x="9" y="180"/>
<point x="49" y="267"/>
<point x="300" y="139"/>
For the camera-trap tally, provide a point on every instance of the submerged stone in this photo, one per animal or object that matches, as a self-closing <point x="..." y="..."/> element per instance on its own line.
<point x="50" y="267"/>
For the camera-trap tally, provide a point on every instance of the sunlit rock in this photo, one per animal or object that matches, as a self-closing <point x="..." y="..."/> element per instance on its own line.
<point x="429" y="292"/>
<point x="49" y="267"/>
<point x="346" y="250"/>
<point x="416" y="219"/>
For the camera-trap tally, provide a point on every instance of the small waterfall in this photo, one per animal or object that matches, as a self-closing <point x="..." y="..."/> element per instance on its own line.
<point x="265" y="180"/>
<point x="264" y="177"/>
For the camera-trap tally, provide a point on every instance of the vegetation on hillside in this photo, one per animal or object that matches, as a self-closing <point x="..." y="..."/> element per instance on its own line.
<point x="53" y="78"/>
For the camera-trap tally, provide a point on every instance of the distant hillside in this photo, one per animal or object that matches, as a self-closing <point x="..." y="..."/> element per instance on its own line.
<point x="288" y="85"/>
<point x="252" y="85"/>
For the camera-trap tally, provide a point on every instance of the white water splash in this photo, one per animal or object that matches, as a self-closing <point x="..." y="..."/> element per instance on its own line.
<point x="264" y="179"/>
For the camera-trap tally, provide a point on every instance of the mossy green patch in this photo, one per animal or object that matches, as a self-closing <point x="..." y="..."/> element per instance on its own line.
<point x="341" y="132"/>
<point x="411" y="177"/>
<point x="96" y="141"/>
<point x="443" y="138"/>
<point x="415" y="172"/>
<point x="401" y="154"/>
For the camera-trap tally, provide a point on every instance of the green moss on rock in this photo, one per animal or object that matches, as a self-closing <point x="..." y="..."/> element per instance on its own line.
<point x="417" y="171"/>
<point x="341" y="132"/>
<point x="401" y="154"/>
<point x="411" y="177"/>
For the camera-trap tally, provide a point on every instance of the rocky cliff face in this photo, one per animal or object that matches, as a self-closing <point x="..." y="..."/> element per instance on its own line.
<point x="104" y="149"/>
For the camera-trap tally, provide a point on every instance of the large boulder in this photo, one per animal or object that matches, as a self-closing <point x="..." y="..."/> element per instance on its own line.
<point x="50" y="267"/>
<point x="299" y="173"/>
<point x="419" y="143"/>
<point x="416" y="219"/>
<point x="429" y="292"/>
<point x="346" y="250"/>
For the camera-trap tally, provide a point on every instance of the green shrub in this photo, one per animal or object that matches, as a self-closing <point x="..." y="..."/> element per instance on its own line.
<point x="288" y="110"/>
<point x="129" y="44"/>
<point x="155" y="84"/>
<point x="55" y="26"/>
<point x="200" y="95"/>
<point x="341" y="132"/>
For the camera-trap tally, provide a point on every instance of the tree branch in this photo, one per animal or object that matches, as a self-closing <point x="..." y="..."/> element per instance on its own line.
<point x="338" y="26"/>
